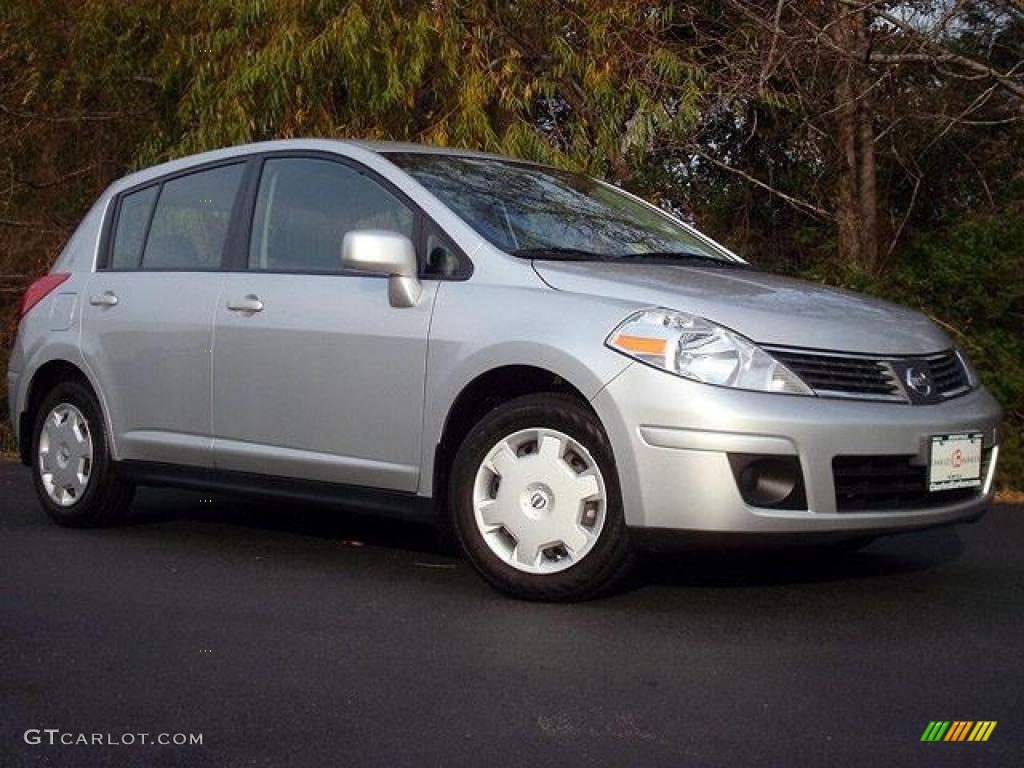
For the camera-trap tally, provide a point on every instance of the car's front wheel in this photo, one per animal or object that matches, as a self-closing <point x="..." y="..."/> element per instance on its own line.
<point x="535" y="501"/>
<point x="72" y="472"/>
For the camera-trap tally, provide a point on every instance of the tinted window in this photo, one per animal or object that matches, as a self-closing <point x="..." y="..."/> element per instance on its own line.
<point x="539" y="212"/>
<point x="132" y="218"/>
<point x="442" y="260"/>
<point x="304" y="208"/>
<point x="190" y="223"/>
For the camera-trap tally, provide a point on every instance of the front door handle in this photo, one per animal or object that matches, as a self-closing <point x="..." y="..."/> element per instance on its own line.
<point x="105" y="299"/>
<point x="250" y="303"/>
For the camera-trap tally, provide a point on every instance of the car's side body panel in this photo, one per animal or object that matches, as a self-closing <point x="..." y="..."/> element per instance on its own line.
<point x="151" y="355"/>
<point x="324" y="383"/>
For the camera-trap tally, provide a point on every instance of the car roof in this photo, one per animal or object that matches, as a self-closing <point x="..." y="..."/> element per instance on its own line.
<point x="409" y="147"/>
<point x="309" y="144"/>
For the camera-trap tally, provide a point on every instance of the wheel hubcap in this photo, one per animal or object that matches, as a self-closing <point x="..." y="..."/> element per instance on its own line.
<point x="539" y="500"/>
<point x="65" y="454"/>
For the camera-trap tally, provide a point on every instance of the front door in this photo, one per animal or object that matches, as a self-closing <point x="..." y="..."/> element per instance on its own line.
<point x="316" y="375"/>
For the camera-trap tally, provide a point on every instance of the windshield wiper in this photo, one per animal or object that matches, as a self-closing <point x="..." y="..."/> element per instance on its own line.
<point x="660" y="257"/>
<point x="677" y="256"/>
<point x="560" y="254"/>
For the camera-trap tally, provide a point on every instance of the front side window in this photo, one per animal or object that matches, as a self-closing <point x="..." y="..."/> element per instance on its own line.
<point x="442" y="260"/>
<point x="190" y="223"/>
<point x="132" y="218"/>
<point x="544" y="213"/>
<point x="305" y="206"/>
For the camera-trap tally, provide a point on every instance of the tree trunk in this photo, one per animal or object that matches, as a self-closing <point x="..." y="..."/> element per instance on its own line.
<point x="867" y="201"/>
<point x="847" y="196"/>
<point x="856" y="204"/>
<point x="867" y="170"/>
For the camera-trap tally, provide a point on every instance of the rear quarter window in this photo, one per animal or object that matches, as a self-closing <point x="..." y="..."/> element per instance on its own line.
<point x="129" y="236"/>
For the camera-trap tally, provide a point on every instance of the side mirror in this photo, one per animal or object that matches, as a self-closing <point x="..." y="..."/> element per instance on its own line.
<point x="388" y="253"/>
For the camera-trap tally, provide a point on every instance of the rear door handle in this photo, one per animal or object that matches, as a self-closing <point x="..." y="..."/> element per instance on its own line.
<point x="105" y="299"/>
<point x="250" y="303"/>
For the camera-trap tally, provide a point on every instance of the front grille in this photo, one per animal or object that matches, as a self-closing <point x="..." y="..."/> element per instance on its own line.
<point x="872" y="483"/>
<point x="948" y="374"/>
<point x="837" y="375"/>
<point x="875" y="378"/>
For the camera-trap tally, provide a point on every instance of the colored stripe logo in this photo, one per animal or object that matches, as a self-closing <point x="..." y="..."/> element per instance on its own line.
<point x="958" y="730"/>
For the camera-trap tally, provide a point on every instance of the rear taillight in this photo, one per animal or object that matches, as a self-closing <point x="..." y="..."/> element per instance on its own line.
<point x="39" y="290"/>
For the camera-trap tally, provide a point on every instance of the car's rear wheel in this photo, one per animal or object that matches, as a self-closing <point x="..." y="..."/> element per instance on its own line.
<point x="71" y="470"/>
<point x="535" y="501"/>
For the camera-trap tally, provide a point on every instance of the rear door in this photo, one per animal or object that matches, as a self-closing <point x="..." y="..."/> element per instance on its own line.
<point x="316" y="375"/>
<point x="148" y="321"/>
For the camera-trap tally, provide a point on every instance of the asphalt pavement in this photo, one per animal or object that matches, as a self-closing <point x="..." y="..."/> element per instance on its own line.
<point x="296" y="635"/>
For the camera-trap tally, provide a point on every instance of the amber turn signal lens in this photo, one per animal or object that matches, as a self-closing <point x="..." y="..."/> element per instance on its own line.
<point x="640" y="345"/>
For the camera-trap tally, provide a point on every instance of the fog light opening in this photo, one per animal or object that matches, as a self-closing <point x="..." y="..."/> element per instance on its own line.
<point x="769" y="481"/>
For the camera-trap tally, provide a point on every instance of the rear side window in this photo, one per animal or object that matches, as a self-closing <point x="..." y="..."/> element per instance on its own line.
<point x="304" y="208"/>
<point x="132" y="218"/>
<point x="190" y="223"/>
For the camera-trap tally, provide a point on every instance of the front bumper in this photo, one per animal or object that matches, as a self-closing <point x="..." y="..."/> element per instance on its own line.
<point x="672" y="437"/>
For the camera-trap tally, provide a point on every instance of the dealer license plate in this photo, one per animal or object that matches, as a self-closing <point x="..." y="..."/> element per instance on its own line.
<point x="955" y="462"/>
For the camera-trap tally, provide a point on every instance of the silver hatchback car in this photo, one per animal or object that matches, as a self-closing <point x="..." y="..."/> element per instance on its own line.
<point x="562" y="372"/>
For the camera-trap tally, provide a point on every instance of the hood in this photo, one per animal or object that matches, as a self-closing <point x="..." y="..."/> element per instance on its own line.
<point x="768" y="309"/>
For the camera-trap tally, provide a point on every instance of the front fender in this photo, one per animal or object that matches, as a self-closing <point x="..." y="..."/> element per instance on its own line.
<point x="477" y="328"/>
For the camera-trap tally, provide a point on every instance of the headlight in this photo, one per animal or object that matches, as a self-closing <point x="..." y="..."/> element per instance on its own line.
<point x="697" y="349"/>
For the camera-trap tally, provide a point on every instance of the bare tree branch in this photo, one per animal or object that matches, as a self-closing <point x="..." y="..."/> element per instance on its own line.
<point x="34" y="225"/>
<point x="797" y="203"/>
<point x="944" y="55"/>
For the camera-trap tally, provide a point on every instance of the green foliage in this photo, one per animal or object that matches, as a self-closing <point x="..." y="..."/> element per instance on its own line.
<point x="535" y="79"/>
<point x="968" y="276"/>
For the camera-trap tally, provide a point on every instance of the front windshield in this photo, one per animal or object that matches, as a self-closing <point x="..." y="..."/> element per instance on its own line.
<point x="543" y="213"/>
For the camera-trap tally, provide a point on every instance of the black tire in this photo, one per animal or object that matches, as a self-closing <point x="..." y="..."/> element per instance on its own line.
<point x="613" y="554"/>
<point x="106" y="498"/>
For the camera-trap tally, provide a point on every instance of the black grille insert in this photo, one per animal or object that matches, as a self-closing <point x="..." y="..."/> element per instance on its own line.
<point x="835" y="375"/>
<point x="871" y="483"/>
<point x="948" y="374"/>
